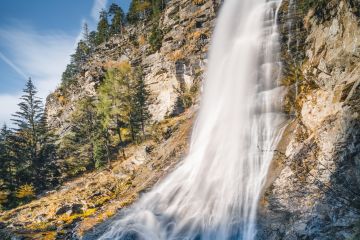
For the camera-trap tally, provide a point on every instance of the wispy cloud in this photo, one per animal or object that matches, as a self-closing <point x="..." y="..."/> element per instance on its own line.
<point x="41" y="56"/>
<point x="97" y="7"/>
<point x="12" y="65"/>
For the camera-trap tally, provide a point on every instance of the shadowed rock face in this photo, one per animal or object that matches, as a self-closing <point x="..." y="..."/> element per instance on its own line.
<point x="316" y="194"/>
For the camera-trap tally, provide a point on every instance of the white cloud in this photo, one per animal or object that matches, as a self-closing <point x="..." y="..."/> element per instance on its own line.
<point x="42" y="56"/>
<point x="97" y="7"/>
<point x="13" y="65"/>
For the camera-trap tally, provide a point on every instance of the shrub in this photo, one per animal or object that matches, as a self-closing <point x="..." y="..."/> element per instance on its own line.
<point x="3" y="197"/>
<point x="26" y="191"/>
<point x="198" y="2"/>
<point x="141" y="40"/>
<point x="176" y="55"/>
<point x="155" y="38"/>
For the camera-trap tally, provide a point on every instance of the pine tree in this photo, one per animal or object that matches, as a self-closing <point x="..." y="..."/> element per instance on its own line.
<point x="102" y="28"/>
<point x="92" y="39"/>
<point x="115" y="100"/>
<point x="78" y="145"/>
<point x="33" y="145"/>
<point x="117" y="21"/>
<point x="139" y="10"/>
<point x="142" y="100"/>
<point x="142" y="9"/>
<point x="7" y="167"/>
<point x="28" y="131"/>
<point x="81" y="53"/>
<point x="48" y="155"/>
<point x="86" y="34"/>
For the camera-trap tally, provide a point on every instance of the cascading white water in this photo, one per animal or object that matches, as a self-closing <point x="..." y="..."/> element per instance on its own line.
<point x="214" y="193"/>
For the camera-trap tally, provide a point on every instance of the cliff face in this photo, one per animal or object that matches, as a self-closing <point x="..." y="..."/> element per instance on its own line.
<point x="314" y="188"/>
<point x="173" y="70"/>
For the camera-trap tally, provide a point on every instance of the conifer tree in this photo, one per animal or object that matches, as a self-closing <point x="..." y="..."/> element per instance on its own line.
<point x="27" y="121"/>
<point x="7" y="168"/>
<point x="115" y="96"/>
<point x="102" y="34"/>
<point x="86" y="34"/>
<point x="117" y="21"/>
<point x="138" y="10"/>
<point x="142" y="100"/>
<point x="81" y="53"/>
<point x="33" y="148"/>
<point x="78" y="145"/>
<point x="48" y="155"/>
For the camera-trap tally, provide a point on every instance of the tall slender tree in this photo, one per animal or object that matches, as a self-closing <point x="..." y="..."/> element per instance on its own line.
<point x="117" y="19"/>
<point x="7" y="167"/>
<point x="27" y="121"/>
<point x="78" y="145"/>
<point x="33" y="146"/>
<point x="142" y="100"/>
<point x="115" y="96"/>
<point x="102" y="34"/>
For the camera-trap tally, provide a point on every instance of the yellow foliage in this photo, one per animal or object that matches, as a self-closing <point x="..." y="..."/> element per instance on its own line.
<point x="123" y="65"/>
<point x="25" y="191"/>
<point x="198" y="2"/>
<point x="196" y="35"/>
<point x="50" y="236"/>
<point x="41" y="226"/>
<point x="102" y="200"/>
<point x="109" y="213"/>
<point x="3" y="197"/>
<point x="142" y="40"/>
<point x="62" y="100"/>
<point x="176" y="55"/>
<point x="68" y="219"/>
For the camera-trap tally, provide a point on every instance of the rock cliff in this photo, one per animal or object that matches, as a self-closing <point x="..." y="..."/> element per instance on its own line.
<point x="313" y="186"/>
<point x="175" y="70"/>
<point x="314" y="182"/>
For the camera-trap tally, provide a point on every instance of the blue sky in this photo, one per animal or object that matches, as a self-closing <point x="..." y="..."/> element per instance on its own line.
<point x="36" y="40"/>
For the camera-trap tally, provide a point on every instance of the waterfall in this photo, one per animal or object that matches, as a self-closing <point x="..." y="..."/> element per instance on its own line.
<point x="214" y="192"/>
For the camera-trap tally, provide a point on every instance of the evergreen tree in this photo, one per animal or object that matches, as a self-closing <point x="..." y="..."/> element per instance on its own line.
<point x="86" y="34"/>
<point x="81" y="53"/>
<point x="68" y="76"/>
<point x="142" y="100"/>
<point x="33" y="148"/>
<point x="102" y="28"/>
<point x="157" y="7"/>
<point x="6" y="160"/>
<point x="78" y="145"/>
<point x="92" y="39"/>
<point x="28" y="131"/>
<point x="142" y="9"/>
<point x="48" y="156"/>
<point x="139" y="10"/>
<point x="117" y="21"/>
<point x="115" y="96"/>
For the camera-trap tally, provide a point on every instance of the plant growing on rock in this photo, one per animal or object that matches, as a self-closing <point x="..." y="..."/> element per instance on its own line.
<point x="26" y="191"/>
<point x="155" y="39"/>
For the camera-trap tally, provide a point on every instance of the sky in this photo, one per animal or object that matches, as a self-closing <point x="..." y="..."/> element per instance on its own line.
<point x="37" y="38"/>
